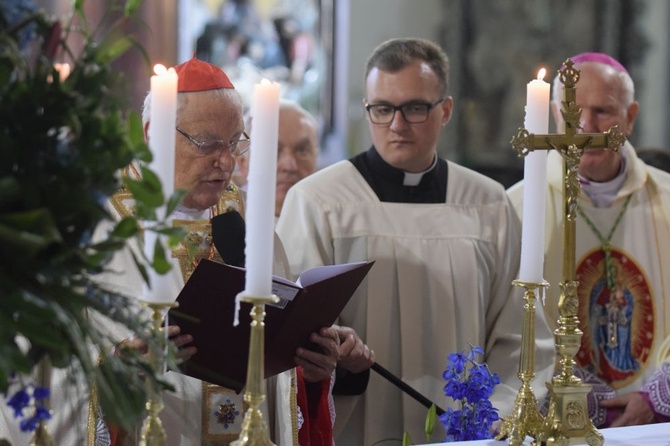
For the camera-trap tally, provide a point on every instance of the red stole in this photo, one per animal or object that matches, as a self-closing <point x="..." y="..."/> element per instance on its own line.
<point x="317" y="427"/>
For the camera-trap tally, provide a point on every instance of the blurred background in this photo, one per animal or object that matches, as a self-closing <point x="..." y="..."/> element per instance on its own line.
<point x="317" y="49"/>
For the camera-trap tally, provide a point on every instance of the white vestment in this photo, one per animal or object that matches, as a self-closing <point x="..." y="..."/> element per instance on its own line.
<point x="190" y="413"/>
<point x="622" y="330"/>
<point x="441" y="282"/>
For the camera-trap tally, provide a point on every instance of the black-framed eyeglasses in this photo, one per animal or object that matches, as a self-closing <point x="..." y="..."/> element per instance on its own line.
<point x="205" y="148"/>
<point x="412" y="112"/>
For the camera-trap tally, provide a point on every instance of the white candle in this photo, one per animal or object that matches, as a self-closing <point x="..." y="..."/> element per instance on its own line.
<point x="261" y="191"/>
<point x="162" y="123"/>
<point x="534" y="184"/>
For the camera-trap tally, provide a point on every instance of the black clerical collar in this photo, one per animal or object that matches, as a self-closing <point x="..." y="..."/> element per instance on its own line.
<point x="388" y="182"/>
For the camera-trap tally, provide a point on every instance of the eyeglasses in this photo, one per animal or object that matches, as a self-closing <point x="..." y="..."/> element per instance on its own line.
<point x="412" y="112"/>
<point x="205" y="148"/>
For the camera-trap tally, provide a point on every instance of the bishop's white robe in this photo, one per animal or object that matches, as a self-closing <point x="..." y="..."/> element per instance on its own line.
<point x="441" y="281"/>
<point x="622" y="333"/>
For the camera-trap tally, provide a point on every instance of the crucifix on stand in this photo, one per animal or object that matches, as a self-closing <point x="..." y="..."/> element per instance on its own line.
<point x="567" y="421"/>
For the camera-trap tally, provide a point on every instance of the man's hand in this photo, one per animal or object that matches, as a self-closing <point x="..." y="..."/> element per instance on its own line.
<point x="635" y="409"/>
<point x="355" y="356"/>
<point x="319" y="365"/>
<point x="179" y="340"/>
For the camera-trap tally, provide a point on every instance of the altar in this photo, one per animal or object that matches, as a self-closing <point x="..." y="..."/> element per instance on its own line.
<point x="646" y="435"/>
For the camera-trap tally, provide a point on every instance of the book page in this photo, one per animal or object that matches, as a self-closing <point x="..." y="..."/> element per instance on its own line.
<point x="319" y="273"/>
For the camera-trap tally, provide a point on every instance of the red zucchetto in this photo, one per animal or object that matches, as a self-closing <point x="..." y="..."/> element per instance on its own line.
<point x="197" y="75"/>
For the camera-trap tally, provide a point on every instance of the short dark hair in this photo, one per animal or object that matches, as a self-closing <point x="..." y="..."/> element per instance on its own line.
<point x="395" y="54"/>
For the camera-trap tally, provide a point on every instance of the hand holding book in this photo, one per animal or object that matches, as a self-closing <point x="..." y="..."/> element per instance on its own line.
<point x="206" y="310"/>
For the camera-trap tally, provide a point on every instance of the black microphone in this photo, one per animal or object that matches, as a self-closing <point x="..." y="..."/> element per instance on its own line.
<point x="228" y="231"/>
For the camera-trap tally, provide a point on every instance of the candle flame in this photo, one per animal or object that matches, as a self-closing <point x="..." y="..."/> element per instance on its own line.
<point x="541" y="74"/>
<point x="63" y="70"/>
<point x="265" y="81"/>
<point x="160" y="69"/>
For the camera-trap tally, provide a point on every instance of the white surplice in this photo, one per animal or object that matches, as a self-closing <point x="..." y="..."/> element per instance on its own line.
<point x="441" y="282"/>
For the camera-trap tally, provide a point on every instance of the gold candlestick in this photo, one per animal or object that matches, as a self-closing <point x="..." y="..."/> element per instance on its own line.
<point x="254" y="430"/>
<point x="525" y="419"/>
<point x="567" y="421"/>
<point x="153" y="433"/>
<point x="41" y="436"/>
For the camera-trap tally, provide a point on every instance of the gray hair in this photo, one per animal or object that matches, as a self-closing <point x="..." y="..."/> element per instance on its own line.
<point x="626" y="85"/>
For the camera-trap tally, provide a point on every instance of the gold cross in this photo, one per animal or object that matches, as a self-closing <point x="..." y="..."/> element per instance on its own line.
<point x="563" y="423"/>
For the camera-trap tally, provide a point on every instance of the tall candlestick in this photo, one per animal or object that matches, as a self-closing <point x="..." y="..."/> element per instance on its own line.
<point x="261" y="192"/>
<point x="534" y="188"/>
<point x="162" y="123"/>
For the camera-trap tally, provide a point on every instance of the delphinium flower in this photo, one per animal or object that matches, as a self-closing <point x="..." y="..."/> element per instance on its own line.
<point x="470" y="383"/>
<point x="28" y="405"/>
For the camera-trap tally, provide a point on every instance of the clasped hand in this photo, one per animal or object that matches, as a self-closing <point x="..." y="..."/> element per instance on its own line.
<point x="318" y="364"/>
<point x="355" y="355"/>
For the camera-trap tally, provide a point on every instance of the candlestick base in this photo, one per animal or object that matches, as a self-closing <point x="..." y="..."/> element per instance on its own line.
<point x="567" y="421"/>
<point x="41" y="437"/>
<point x="254" y="430"/>
<point x="525" y="419"/>
<point x="153" y="433"/>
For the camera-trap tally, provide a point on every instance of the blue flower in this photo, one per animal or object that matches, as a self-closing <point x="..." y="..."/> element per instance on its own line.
<point x="19" y="401"/>
<point x="471" y="384"/>
<point x="25" y="398"/>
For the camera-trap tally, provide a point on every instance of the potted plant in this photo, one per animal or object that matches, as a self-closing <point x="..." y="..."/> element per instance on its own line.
<point x="63" y="141"/>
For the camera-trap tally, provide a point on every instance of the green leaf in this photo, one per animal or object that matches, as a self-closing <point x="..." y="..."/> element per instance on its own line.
<point x="131" y="7"/>
<point x="135" y="129"/>
<point x="406" y="439"/>
<point x="160" y="263"/>
<point x="174" y="200"/>
<point x="144" y="192"/>
<point x="10" y="189"/>
<point x="29" y="232"/>
<point x="431" y="416"/>
<point x="112" y="48"/>
<point x="126" y="228"/>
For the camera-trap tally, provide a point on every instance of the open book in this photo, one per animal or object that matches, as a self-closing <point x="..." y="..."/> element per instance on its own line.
<point x="207" y="308"/>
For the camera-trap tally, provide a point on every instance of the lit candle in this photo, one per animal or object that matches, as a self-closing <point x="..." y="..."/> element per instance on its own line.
<point x="534" y="184"/>
<point x="261" y="191"/>
<point x="162" y="123"/>
<point x="63" y="70"/>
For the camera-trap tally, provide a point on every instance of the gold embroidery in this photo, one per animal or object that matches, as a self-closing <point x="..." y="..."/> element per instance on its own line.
<point x="215" y="431"/>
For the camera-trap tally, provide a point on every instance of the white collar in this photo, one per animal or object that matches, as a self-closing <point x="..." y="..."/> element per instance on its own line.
<point x="603" y="194"/>
<point x="413" y="179"/>
<point x="184" y="213"/>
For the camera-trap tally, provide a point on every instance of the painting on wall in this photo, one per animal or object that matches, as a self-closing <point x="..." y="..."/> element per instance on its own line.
<point x="286" y="41"/>
<point x="491" y="63"/>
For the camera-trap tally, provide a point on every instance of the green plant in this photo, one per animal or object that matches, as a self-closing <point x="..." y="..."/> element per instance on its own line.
<point x="63" y="143"/>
